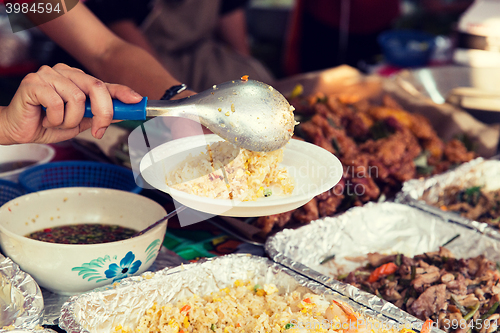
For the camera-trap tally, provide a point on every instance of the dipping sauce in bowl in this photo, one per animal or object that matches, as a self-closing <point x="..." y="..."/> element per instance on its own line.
<point x="74" y="268"/>
<point x="83" y="233"/>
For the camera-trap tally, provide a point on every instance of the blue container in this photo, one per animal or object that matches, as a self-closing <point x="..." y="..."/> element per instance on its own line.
<point x="407" y="48"/>
<point x="78" y="174"/>
<point x="9" y="191"/>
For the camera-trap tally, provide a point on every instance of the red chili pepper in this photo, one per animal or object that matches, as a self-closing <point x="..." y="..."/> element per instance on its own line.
<point x="307" y="300"/>
<point x="185" y="308"/>
<point x="384" y="270"/>
<point x="427" y="326"/>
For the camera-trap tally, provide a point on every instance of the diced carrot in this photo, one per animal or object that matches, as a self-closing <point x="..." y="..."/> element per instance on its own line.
<point x="443" y="207"/>
<point x="185" y="308"/>
<point x="307" y="300"/>
<point x="426" y="327"/>
<point x="238" y="325"/>
<point x="384" y="270"/>
<point x="244" y="78"/>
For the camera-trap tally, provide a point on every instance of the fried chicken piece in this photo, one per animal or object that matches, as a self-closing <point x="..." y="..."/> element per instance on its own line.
<point x="381" y="113"/>
<point x="365" y="188"/>
<point x="337" y="107"/>
<point x="403" y="170"/>
<point x="456" y="152"/>
<point x="267" y="223"/>
<point x="421" y="127"/>
<point x="362" y="106"/>
<point x="323" y="196"/>
<point x="329" y="206"/>
<point x="435" y="147"/>
<point x="390" y="102"/>
<point x="377" y="170"/>
<point x="307" y="213"/>
<point x="356" y="165"/>
<point x="356" y="126"/>
<point x="315" y="135"/>
<point x="347" y="146"/>
<point x="322" y="110"/>
<point x="325" y="125"/>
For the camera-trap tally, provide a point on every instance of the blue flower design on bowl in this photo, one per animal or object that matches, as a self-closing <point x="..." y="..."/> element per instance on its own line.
<point x="111" y="268"/>
<point x="127" y="267"/>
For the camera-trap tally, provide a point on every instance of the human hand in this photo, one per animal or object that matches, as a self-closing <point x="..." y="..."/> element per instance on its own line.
<point x="62" y="90"/>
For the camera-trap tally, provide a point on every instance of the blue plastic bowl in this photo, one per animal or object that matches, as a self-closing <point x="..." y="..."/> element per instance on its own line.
<point x="9" y="191"/>
<point x="78" y="174"/>
<point x="406" y="48"/>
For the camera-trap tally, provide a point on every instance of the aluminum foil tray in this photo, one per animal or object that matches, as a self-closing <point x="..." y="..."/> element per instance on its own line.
<point x="479" y="172"/>
<point x="21" y="301"/>
<point x="54" y="302"/>
<point x="376" y="227"/>
<point x="101" y="311"/>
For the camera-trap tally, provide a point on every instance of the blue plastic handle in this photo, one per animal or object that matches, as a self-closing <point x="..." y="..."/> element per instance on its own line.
<point x="122" y="111"/>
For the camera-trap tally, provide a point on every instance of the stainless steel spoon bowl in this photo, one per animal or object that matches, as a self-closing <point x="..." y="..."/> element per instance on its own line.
<point x="250" y="114"/>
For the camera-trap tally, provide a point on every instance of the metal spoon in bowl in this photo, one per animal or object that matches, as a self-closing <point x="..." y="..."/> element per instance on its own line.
<point x="248" y="113"/>
<point x="163" y="219"/>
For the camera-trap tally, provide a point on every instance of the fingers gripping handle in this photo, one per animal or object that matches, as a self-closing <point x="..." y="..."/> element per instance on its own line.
<point x="122" y="111"/>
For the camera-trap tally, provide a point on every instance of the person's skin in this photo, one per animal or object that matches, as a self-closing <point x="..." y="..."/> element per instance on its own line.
<point x="112" y="59"/>
<point x="232" y="29"/>
<point x="63" y="91"/>
<point x="107" y="56"/>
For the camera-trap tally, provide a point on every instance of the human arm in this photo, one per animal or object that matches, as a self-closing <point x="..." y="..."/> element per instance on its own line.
<point x="232" y="29"/>
<point x="63" y="91"/>
<point x="130" y="32"/>
<point x="107" y="56"/>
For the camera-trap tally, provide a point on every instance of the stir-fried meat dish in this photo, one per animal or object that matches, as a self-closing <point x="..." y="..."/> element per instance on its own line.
<point x="460" y="295"/>
<point x="474" y="202"/>
<point x="380" y="147"/>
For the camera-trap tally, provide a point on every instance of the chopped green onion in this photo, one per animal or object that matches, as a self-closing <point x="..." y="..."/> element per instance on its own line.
<point x="451" y="239"/>
<point x="398" y="259"/>
<point x="327" y="259"/>
<point x="213" y="327"/>
<point x="491" y="311"/>
<point x="256" y="287"/>
<point x="289" y="325"/>
<point x="472" y="312"/>
<point x="336" y="145"/>
<point x="342" y="276"/>
<point x="268" y="192"/>
<point x="413" y="272"/>
<point x="458" y="305"/>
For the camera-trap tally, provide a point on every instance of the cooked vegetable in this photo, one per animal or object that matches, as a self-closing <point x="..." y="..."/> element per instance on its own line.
<point x="473" y="202"/>
<point x="435" y="286"/>
<point x="384" y="270"/>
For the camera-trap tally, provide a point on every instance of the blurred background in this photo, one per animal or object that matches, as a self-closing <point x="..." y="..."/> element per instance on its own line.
<point x="443" y="43"/>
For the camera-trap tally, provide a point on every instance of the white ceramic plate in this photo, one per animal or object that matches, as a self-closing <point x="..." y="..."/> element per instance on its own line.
<point x="314" y="170"/>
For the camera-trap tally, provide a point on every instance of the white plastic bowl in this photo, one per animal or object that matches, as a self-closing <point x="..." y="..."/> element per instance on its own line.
<point x="39" y="153"/>
<point x="70" y="269"/>
<point x="313" y="169"/>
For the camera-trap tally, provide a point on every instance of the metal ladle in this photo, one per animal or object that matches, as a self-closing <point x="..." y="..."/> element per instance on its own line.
<point x="247" y="113"/>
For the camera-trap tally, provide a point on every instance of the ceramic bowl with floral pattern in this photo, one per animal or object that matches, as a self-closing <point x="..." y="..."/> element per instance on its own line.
<point x="76" y="268"/>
